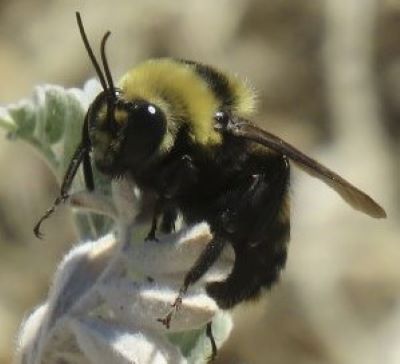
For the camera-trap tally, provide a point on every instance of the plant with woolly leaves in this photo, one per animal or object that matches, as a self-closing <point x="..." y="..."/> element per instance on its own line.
<point x="108" y="292"/>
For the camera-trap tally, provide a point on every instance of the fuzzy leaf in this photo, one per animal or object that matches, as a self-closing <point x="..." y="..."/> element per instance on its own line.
<point x="103" y="343"/>
<point x="51" y="121"/>
<point x="119" y="270"/>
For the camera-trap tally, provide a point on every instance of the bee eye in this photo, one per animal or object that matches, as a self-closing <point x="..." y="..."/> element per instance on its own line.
<point x="138" y="107"/>
<point x="145" y="129"/>
<point x="147" y="116"/>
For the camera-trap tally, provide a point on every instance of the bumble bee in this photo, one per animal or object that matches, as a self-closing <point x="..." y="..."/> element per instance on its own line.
<point x="181" y="129"/>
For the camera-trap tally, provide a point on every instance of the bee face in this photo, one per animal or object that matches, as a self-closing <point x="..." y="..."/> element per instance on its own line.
<point x="124" y="133"/>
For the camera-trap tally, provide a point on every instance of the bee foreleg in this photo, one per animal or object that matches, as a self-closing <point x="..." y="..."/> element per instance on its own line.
<point x="170" y="215"/>
<point x="158" y="208"/>
<point x="210" y="335"/>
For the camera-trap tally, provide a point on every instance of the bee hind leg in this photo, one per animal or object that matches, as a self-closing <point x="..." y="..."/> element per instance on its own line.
<point x="206" y="259"/>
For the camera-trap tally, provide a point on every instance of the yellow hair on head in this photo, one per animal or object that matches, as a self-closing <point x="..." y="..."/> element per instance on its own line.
<point x="180" y="93"/>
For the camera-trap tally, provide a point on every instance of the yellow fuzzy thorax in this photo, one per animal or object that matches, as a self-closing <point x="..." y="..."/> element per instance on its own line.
<point x="184" y="97"/>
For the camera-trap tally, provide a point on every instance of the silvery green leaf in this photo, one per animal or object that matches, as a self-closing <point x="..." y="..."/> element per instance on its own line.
<point x="103" y="343"/>
<point x="143" y="303"/>
<point x="78" y="275"/>
<point x="162" y="263"/>
<point x="28" y="340"/>
<point x="96" y="280"/>
<point x="73" y="283"/>
<point x="94" y="202"/>
<point x="51" y="121"/>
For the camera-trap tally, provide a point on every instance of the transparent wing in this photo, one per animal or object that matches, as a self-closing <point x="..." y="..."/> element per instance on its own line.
<point x="351" y="194"/>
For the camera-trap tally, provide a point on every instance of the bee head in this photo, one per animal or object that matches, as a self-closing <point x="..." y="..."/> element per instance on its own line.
<point x="122" y="133"/>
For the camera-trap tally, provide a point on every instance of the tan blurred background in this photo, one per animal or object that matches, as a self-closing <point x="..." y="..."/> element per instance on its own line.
<point x="328" y="76"/>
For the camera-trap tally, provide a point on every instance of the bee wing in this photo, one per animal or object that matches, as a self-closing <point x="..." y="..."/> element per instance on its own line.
<point x="351" y="194"/>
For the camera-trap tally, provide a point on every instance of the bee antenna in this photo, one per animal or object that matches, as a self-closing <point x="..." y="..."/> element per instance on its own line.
<point x="111" y="88"/>
<point x="90" y="52"/>
<point x="105" y="63"/>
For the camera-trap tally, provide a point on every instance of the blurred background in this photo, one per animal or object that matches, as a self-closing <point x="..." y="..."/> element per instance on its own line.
<point x="328" y="79"/>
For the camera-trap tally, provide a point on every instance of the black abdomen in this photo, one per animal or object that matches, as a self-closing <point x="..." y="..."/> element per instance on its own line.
<point x="250" y="211"/>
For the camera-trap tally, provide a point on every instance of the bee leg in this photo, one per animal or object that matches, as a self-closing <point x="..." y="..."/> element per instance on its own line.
<point x="206" y="259"/>
<point x="210" y="335"/>
<point x="174" y="177"/>
<point x="168" y="221"/>
<point x="81" y="154"/>
<point x="151" y="236"/>
<point x="88" y="172"/>
<point x="170" y="214"/>
<point x="87" y="163"/>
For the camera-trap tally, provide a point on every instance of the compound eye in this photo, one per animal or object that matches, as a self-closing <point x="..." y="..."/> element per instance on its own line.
<point x="146" y="128"/>
<point x="149" y="114"/>
<point x="147" y="118"/>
